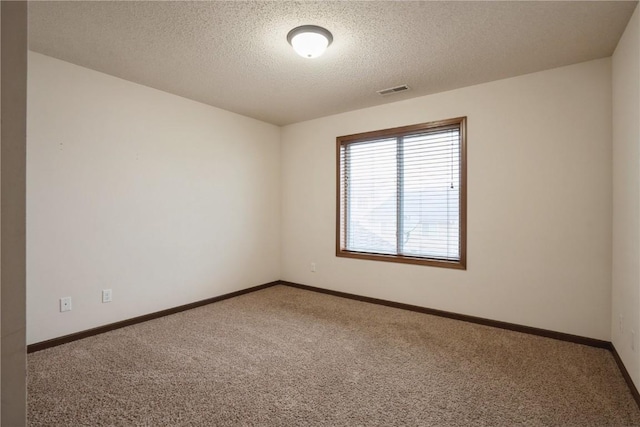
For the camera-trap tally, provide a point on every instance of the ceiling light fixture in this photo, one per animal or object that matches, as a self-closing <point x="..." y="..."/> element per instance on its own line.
<point x="309" y="41"/>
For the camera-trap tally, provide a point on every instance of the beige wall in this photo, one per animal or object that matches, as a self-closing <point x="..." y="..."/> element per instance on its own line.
<point x="12" y="216"/>
<point x="539" y="203"/>
<point x="625" y="322"/>
<point x="162" y="199"/>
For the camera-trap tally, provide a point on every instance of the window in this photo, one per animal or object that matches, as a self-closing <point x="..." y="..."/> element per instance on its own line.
<point x="402" y="194"/>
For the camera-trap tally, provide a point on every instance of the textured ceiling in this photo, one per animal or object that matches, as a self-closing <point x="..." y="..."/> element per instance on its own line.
<point x="234" y="55"/>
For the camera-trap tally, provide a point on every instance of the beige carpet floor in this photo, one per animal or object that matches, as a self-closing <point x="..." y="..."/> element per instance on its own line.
<point x="289" y="357"/>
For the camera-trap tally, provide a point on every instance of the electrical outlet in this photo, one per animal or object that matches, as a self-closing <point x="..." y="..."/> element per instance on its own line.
<point x="313" y="267"/>
<point x="107" y="295"/>
<point x="65" y="304"/>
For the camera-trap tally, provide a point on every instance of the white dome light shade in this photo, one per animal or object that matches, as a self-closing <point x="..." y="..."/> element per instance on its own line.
<point x="309" y="41"/>
<point x="309" y="45"/>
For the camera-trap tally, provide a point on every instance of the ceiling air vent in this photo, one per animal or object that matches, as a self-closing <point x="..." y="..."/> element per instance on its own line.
<point x="391" y="90"/>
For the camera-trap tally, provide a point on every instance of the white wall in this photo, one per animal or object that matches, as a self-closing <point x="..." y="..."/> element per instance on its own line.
<point x="539" y="203"/>
<point x="168" y="201"/>
<point x="626" y="197"/>
<point x="162" y="199"/>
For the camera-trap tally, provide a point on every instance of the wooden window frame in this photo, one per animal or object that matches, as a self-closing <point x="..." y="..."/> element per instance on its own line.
<point x="459" y="122"/>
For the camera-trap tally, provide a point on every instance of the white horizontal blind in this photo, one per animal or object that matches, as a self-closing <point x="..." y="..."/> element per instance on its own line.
<point x="401" y="195"/>
<point x="371" y="200"/>
<point x="431" y="195"/>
